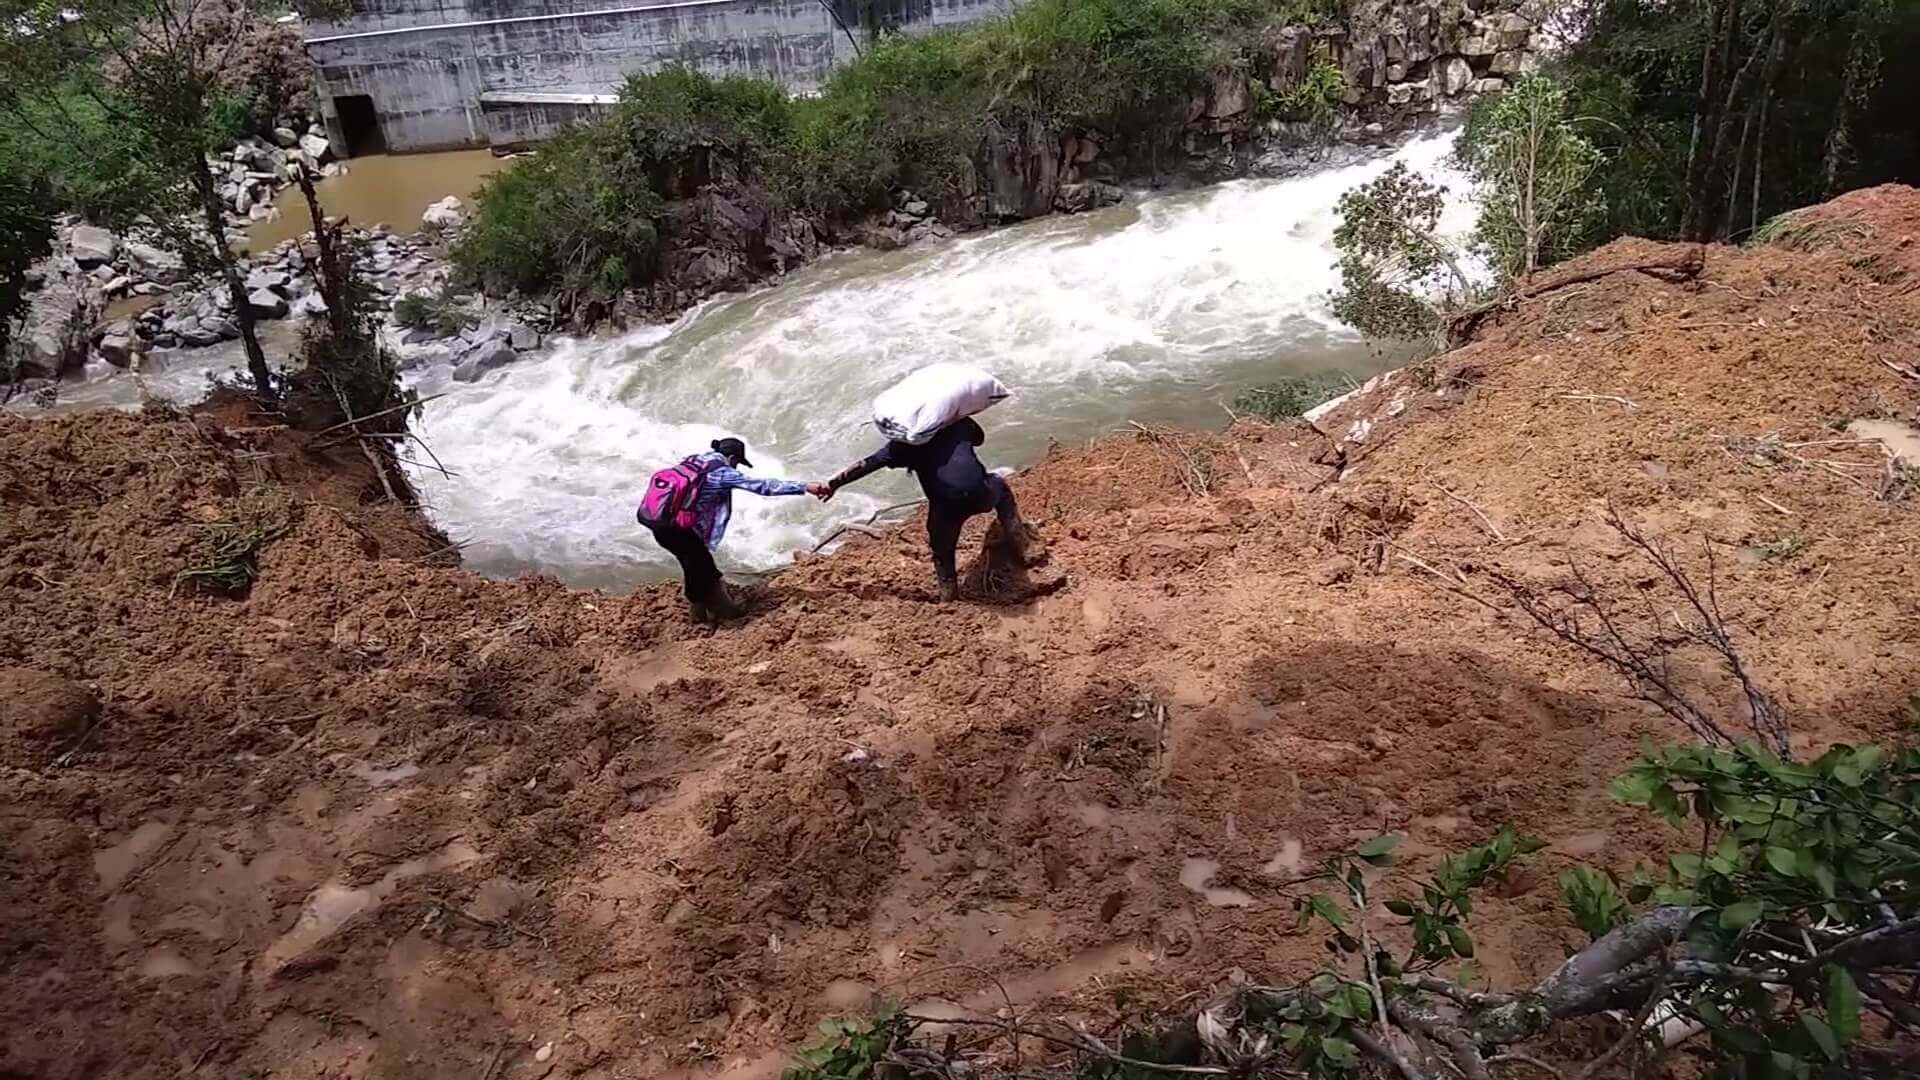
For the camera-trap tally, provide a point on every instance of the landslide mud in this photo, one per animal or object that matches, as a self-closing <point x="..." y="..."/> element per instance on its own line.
<point x="382" y="817"/>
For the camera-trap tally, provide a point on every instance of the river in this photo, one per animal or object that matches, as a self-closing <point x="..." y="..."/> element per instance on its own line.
<point x="1159" y="310"/>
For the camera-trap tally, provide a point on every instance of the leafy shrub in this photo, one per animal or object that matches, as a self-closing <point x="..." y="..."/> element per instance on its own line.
<point x="582" y="215"/>
<point x="1313" y="99"/>
<point x="566" y="218"/>
<point x="443" y="313"/>
<point x="1397" y="274"/>
<point x="1291" y="396"/>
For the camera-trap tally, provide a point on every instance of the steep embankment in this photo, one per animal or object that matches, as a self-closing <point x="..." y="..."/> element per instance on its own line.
<point x="384" y="818"/>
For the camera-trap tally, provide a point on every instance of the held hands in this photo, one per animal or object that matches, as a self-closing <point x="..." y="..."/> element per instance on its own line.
<point x="820" y="491"/>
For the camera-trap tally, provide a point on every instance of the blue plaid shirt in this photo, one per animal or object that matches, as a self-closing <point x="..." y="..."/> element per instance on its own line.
<point x="713" y="507"/>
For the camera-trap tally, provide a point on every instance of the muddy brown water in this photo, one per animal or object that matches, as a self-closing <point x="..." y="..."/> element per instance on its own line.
<point x="391" y="188"/>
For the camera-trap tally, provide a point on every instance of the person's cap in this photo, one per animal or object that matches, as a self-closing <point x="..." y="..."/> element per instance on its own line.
<point x="734" y="449"/>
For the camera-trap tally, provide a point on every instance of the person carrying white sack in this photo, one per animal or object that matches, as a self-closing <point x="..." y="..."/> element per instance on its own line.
<point x="932" y="433"/>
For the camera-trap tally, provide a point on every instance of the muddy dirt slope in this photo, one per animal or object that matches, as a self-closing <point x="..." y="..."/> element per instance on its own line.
<point x="380" y="817"/>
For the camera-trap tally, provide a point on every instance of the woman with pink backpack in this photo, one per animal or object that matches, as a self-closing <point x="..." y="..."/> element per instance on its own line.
<point x="687" y="507"/>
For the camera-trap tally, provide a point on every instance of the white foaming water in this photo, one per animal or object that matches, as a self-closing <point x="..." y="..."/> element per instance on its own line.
<point x="1159" y="311"/>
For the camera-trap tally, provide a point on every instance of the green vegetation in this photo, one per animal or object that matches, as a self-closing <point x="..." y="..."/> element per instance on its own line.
<point x="1314" y="99"/>
<point x="119" y="103"/>
<point x="1531" y="169"/>
<point x="228" y="558"/>
<point x="1399" y="278"/>
<point x="442" y="313"/>
<point x="1785" y="925"/>
<point x="1290" y="397"/>
<point x="586" y="214"/>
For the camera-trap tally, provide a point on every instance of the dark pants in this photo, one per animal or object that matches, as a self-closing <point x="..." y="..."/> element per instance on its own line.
<point x="946" y="516"/>
<point x="696" y="562"/>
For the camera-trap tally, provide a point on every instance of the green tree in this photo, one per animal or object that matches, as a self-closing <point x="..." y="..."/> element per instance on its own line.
<point x="1531" y="170"/>
<point x="1399" y="278"/>
<point x="159" y="74"/>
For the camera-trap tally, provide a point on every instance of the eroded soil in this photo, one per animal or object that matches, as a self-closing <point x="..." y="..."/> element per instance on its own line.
<point x="386" y="818"/>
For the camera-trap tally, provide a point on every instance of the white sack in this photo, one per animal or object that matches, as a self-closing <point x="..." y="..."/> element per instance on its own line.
<point x="929" y="399"/>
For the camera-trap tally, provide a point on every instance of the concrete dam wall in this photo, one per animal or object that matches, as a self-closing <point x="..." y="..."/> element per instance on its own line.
<point x="409" y="75"/>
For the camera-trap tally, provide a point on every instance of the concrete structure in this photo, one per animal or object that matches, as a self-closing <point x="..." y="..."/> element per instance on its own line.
<point x="408" y="75"/>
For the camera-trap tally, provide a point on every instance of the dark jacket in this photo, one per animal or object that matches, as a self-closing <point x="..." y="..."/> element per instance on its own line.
<point x="945" y="465"/>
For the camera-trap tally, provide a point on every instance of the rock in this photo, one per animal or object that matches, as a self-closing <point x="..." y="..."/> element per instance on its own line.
<point x="1396" y="71"/>
<point x="1487" y="86"/>
<point x="154" y="264"/>
<point x="221" y="327"/>
<point x="524" y="338"/>
<point x="1455" y="75"/>
<point x="484" y="359"/>
<point x="1335" y="570"/>
<point x="448" y="213"/>
<point x="917" y="208"/>
<point x="1229" y="95"/>
<point x="265" y="277"/>
<point x="1514" y="62"/>
<point x="1514" y="29"/>
<point x="40" y="713"/>
<point x="286" y="137"/>
<point x="1399" y="93"/>
<point x="316" y="147"/>
<point x="117" y="349"/>
<point x="242" y="199"/>
<point x="317" y="128"/>
<point x="1077" y="198"/>
<point x="92" y="245"/>
<point x="310" y="306"/>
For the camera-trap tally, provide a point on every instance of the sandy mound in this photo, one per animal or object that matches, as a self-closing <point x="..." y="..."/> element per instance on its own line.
<point x="379" y="817"/>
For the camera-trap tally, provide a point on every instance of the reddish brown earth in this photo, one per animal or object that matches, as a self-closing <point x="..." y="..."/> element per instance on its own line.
<point x="386" y="818"/>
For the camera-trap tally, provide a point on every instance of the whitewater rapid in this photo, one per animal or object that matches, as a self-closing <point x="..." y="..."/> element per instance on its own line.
<point x="1160" y="310"/>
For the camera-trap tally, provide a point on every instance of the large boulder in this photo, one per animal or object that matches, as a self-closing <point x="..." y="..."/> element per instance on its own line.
<point x="155" y="264"/>
<point x="92" y="245"/>
<point x="1455" y="75"/>
<point x="482" y="359"/>
<point x="40" y="713"/>
<point x="1228" y="96"/>
<point x="1514" y="62"/>
<point x="57" y="331"/>
<point x="286" y="137"/>
<point x="266" y="304"/>
<point x="444" y="215"/>
<point x="316" y="148"/>
<point x="1086" y="195"/>
<point x="267" y="277"/>
<point x="1023" y="172"/>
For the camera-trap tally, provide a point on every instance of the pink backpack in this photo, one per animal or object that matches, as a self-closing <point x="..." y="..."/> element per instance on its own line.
<point x="671" y="493"/>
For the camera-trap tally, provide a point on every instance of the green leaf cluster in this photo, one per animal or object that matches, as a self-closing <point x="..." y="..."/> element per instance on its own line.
<point x="853" y="1048"/>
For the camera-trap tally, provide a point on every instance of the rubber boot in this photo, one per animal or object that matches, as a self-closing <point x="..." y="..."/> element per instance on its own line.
<point x="949" y="591"/>
<point x="702" y="616"/>
<point x="721" y="603"/>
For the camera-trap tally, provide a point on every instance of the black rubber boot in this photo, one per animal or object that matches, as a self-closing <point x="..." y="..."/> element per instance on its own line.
<point x="721" y="603"/>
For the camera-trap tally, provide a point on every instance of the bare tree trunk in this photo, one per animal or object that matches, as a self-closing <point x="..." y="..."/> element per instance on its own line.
<point x="1715" y="56"/>
<point x="1703" y="203"/>
<point x="236" y="290"/>
<point x="1776" y="60"/>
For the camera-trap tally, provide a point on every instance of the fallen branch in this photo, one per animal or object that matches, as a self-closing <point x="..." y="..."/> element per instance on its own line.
<point x="864" y="528"/>
<point x="1492" y="529"/>
<point x="1081" y="1042"/>
<point x="1629" y="403"/>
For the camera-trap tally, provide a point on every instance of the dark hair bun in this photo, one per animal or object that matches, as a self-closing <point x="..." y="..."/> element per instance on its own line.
<point x="715" y="444"/>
